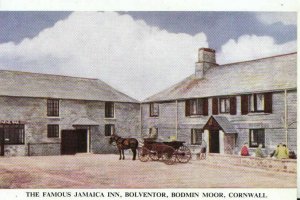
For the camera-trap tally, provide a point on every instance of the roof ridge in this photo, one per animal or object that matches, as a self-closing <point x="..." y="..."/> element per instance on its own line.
<point x="57" y="75"/>
<point x="280" y="55"/>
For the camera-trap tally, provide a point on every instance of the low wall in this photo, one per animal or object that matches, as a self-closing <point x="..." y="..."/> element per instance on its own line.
<point x="43" y="149"/>
<point x="283" y="165"/>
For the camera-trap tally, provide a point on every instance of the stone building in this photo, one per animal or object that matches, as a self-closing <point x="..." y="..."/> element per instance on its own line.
<point x="44" y="114"/>
<point x="227" y="105"/>
<point x="224" y="105"/>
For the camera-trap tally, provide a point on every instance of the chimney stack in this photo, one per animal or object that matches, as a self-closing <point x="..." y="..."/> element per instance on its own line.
<point x="206" y="60"/>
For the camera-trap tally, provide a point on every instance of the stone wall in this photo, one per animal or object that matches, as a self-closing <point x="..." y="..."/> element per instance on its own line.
<point x="283" y="165"/>
<point x="42" y="149"/>
<point x="33" y="111"/>
<point x="272" y="123"/>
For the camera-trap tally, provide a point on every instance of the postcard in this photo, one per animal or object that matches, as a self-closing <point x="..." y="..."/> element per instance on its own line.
<point x="156" y="104"/>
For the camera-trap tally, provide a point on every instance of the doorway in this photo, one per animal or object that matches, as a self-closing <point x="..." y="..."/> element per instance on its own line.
<point x="73" y="141"/>
<point x="214" y="141"/>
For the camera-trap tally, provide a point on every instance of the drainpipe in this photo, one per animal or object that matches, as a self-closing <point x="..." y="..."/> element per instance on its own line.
<point x="141" y="129"/>
<point x="286" y="117"/>
<point x="176" y="119"/>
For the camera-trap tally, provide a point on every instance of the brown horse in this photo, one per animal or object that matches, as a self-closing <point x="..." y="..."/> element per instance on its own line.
<point x="124" y="143"/>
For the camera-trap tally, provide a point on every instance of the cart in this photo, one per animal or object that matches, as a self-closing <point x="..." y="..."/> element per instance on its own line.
<point x="168" y="152"/>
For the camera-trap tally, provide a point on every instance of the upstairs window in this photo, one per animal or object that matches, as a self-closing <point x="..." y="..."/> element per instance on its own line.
<point x="53" y="107"/>
<point x="109" y="129"/>
<point x="53" y="130"/>
<point x="261" y="102"/>
<point x="196" y="136"/>
<point x="196" y="107"/>
<point x="256" y="103"/>
<point x="257" y="136"/>
<point x="109" y="110"/>
<point x="154" y="109"/>
<point x="224" y="105"/>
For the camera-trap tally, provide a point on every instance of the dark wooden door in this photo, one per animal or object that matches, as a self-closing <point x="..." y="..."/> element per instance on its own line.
<point x="214" y="142"/>
<point x="2" y="141"/>
<point x="68" y="142"/>
<point x="73" y="141"/>
<point x="81" y="140"/>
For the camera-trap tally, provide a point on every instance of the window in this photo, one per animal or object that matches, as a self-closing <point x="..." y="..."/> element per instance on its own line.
<point x="256" y="103"/>
<point x="109" y="109"/>
<point x="224" y="105"/>
<point x="154" y="109"/>
<point x="257" y="136"/>
<point x="53" y="130"/>
<point x="13" y="134"/>
<point x="196" y="136"/>
<point x="109" y="129"/>
<point x="196" y="107"/>
<point x="53" y="107"/>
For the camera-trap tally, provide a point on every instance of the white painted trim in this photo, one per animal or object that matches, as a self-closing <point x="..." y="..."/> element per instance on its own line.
<point x="176" y="120"/>
<point x="88" y="140"/>
<point x="221" y="142"/>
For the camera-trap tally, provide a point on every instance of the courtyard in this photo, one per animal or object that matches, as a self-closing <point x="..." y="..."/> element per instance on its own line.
<point x="106" y="171"/>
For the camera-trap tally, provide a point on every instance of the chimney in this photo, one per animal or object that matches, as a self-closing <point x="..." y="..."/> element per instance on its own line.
<point x="206" y="60"/>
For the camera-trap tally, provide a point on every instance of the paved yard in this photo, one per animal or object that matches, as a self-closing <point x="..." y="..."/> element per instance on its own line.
<point x="106" y="171"/>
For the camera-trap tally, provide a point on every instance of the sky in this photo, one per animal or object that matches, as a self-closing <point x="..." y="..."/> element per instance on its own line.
<point x="138" y="53"/>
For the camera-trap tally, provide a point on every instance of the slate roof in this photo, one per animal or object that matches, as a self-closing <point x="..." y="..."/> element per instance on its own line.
<point x="26" y="84"/>
<point x="225" y="124"/>
<point x="266" y="74"/>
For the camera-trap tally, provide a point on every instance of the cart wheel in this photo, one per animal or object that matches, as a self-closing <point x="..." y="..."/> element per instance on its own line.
<point x="143" y="154"/>
<point x="154" y="155"/>
<point x="183" y="154"/>
<point x="169" y="159"/>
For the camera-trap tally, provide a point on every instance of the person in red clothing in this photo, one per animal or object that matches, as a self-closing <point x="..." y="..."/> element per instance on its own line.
<point x="245" y="150"/>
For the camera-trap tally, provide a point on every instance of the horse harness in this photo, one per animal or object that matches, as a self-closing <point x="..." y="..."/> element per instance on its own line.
<point x="123" y="142"/>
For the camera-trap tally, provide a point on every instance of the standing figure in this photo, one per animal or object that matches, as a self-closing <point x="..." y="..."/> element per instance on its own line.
<point x="203" y="150"/>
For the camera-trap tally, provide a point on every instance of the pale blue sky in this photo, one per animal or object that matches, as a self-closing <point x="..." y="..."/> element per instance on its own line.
<point x="139" y="53"/>
<point x="219" y="27"/>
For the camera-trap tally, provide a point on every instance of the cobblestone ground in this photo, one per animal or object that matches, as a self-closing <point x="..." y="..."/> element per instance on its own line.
<point x="106" y="171"/>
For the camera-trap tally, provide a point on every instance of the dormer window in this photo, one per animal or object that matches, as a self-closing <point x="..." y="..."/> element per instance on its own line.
<point x="154" y="109"/>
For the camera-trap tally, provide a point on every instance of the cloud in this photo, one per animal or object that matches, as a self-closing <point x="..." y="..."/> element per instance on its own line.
<point x="249" y="47"/>
<point x="128" y="54"/>
<point x="283" y="17"/>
